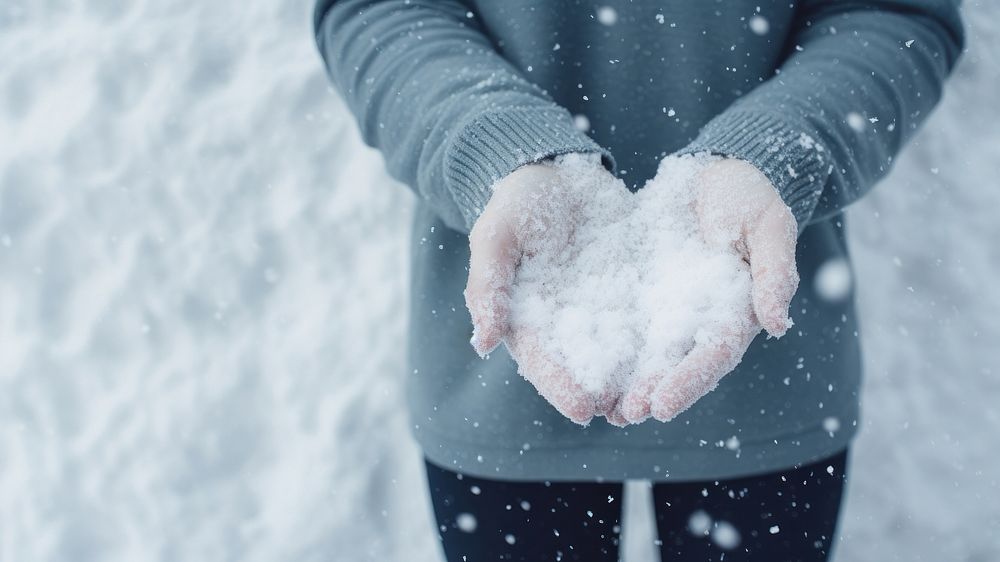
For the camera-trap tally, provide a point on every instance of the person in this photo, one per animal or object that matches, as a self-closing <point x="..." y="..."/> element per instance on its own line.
<point x="806" y="101"/>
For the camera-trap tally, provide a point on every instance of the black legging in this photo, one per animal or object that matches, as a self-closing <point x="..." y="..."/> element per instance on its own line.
<point x="784" y="516"/>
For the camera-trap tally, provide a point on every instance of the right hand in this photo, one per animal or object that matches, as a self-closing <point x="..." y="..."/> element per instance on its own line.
<point x="736" y="207"/>
<point x="530" y="206"/>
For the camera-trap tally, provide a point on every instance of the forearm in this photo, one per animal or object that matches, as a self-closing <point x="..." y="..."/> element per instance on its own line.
<point x="859" y="80"/>
<point x="450" y="115"/>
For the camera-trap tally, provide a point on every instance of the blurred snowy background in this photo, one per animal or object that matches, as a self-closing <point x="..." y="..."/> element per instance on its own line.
<point x="202" y="275"/>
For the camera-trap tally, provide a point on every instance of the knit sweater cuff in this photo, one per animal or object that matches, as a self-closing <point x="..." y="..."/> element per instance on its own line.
<point x="497" y="143"/>
<point x="791" y="157"/>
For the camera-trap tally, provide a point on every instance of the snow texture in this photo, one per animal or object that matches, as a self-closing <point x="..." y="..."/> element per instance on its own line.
<point x="163" y="397"/>
<point x="637" y="286"/>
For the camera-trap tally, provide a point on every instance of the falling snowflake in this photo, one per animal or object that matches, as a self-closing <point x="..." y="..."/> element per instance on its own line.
<point x="725" y="535"/>
<point x="833" y="280"/>
<point x="759" y="25"/>
<point x="607" y="15"/>
<point x="466" y="522"/>
<point x="700" y="523"/>
<point x="856" y="121"/>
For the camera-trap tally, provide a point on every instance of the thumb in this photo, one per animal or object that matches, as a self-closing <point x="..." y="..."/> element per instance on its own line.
<point x="494" y="254"/>
<point x="770" y="247"/>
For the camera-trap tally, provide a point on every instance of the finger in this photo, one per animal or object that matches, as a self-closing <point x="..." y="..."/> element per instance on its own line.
<point x="552" y="381"/>
<point x="606" y="401"/>
<point x="635" y="403"/>
<point x="616" y="418"/>
<point x="609" y="401"/>
<point x="493" y="257"/>
<point x="699" y="373"/>
<point x="610" y="396"/>
<point x="771" y="252"/>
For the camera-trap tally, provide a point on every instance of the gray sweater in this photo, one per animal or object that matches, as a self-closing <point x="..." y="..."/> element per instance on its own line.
<point x="818" y="94"/>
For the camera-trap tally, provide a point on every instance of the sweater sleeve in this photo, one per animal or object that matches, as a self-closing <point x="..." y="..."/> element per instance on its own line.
<point x="429" y="90"/>
<point x="859" y="79"/>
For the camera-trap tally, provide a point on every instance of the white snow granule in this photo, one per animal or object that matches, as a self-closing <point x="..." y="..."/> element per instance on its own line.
<point x="833" y="280"/>
<point x="607" y="15"/>
<point x="700" y="523"/>
<point x="466" y="522"/>
<point x="637" y="286"/>
<point x="725" y="535"/>
<point x="856" y="121"/>
<point x="759" y="25"/>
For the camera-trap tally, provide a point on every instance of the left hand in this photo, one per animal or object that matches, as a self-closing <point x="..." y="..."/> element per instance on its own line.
<point x="736" y="205"/>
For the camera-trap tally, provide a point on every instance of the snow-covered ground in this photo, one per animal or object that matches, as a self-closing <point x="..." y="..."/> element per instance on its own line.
<point x="202" y="276"/>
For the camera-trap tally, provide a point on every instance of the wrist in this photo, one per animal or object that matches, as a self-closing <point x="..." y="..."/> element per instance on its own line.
<point x="732" y="197"/>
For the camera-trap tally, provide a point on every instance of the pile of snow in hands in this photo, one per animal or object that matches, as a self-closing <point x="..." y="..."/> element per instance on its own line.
<point x="635" y="286"/>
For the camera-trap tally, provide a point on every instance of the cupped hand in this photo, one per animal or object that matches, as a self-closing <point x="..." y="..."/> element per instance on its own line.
<point x="530" y="208"/>
<point x="737" y="207"/>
